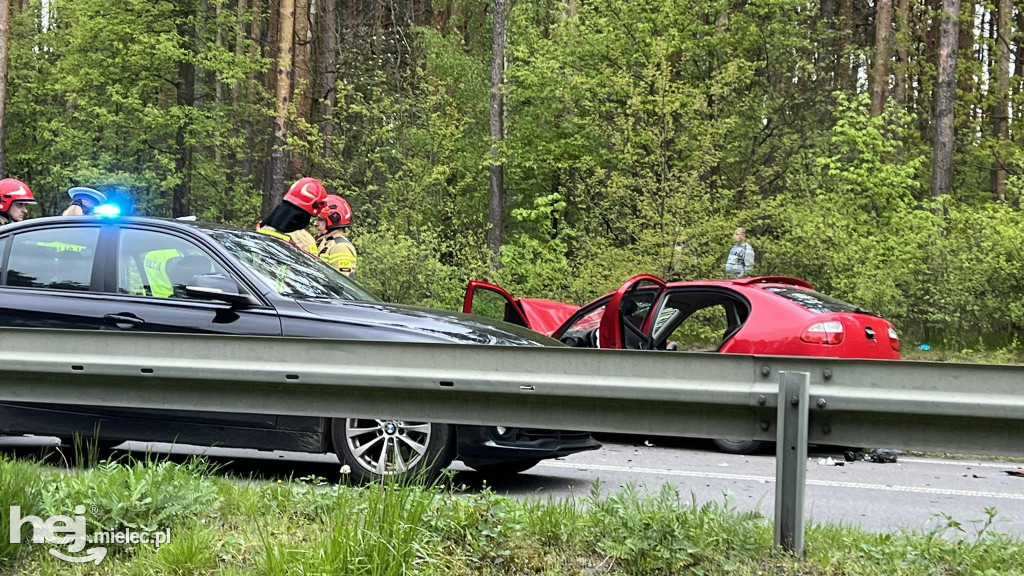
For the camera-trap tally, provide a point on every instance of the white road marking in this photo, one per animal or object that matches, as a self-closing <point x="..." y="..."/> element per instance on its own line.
<point x="766" y="479"/>
<point x="971" y="463"/>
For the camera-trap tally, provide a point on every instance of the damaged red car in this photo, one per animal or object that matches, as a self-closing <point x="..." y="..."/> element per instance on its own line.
<point x="773" y="315"/>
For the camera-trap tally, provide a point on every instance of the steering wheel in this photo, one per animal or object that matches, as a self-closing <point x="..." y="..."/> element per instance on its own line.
<point x="646" y="342"/>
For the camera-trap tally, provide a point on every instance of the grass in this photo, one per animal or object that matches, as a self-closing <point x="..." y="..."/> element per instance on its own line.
<point x="229" y="526"/>
<point x="1008" y="353"/>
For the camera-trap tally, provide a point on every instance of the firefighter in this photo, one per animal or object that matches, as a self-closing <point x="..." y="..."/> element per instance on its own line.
<point x="15" y="196"/>
<point x="83" y="201"/>
<point x="289" y="220"/>
<point x="331" y="244"/>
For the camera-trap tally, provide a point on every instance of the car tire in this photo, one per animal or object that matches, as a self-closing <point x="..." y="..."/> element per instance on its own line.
<point x="367" y="447"/>
<point x="498" y="469"/>
<point x="738" y="446"/>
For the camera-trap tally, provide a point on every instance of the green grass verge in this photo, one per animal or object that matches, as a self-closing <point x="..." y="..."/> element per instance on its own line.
<point x="226" y="526"/>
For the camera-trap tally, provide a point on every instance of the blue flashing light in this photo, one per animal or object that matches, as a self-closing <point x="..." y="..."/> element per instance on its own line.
<point x="107" y="210"/>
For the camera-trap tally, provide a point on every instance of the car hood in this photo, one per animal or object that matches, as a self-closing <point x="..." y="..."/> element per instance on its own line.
<point x="435" y="325"/>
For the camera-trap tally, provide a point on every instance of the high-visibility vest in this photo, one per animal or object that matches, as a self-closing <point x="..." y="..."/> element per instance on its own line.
<point x="156" y="271"/>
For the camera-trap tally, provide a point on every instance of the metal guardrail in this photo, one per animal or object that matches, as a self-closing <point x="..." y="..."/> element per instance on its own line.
<point x="912" y="405"/>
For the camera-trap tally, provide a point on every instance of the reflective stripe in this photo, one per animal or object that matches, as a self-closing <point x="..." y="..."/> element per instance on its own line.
<point x="61" y="246"/>
<point x="270" y="232"/>
<point x="340" y="260"/>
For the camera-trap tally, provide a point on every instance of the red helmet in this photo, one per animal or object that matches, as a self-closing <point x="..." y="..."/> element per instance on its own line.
<point x="308" y="194"/>
<point x="337" y="212"/>
<point x="11" y="191"/>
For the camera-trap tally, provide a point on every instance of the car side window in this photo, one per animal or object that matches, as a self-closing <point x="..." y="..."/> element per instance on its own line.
<point x="159" y="265"/>
<point x="57" y="259"/>
<point x="702" y="330"/>
<point x="698" y="320"/>
<point x="583" y="332"/>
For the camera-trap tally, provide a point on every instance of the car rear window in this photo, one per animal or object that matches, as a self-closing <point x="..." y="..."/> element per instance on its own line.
<point x="815" y="302"/>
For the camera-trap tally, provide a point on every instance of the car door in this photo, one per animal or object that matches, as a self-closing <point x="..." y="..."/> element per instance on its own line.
<point x="493" y="301"/>
<point x="699" y="318"/>
<point x="626" y="323"/>
<point x="145" y="288"/>
<point x="50" y="276"/>
<point x="146" y="273"/>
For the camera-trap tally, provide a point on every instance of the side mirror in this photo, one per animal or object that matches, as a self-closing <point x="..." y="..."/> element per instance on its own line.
<point x="216" y="287"/>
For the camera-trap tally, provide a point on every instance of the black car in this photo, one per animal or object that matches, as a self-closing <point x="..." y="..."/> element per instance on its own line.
<point x="153" y="275"/>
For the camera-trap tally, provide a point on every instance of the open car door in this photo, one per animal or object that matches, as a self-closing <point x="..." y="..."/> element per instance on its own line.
<point x="627" y="318"/>
<point x="537" y="314"/>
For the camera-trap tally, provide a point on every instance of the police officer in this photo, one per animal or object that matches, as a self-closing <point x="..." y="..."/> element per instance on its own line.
<point x="83" y="201"/>
<point x="15" y="196"/>
<point x="331" y="244"/>
<point x="289" y="220"/>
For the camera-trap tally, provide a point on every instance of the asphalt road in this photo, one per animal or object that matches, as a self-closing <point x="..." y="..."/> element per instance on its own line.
<point x="911" y="493"/>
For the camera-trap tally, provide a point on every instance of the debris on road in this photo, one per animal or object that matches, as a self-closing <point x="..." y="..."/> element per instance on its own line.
<point x="852" y="456"/>
<point x="883" y="455"/>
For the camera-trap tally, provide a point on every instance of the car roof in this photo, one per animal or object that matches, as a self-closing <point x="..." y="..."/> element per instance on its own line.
<point x="774" y="281"/>
<point x="165" y="223"/>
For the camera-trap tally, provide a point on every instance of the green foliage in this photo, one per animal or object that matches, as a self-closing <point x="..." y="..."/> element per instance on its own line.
<point x="21" y="484"/>
<point x="394" y="528"/>
<point x="638" y="135"/>
<point x="192" y="550"/>
<point x="145" y="496"/>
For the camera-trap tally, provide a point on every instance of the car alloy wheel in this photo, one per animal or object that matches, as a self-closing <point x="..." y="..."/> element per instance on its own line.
<point x="374" y="448"/>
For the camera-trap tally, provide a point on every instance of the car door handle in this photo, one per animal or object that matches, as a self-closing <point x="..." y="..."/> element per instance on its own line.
<point x="124" y="321"/>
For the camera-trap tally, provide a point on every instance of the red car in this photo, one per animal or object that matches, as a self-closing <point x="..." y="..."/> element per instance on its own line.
<point x="773" y="315"/>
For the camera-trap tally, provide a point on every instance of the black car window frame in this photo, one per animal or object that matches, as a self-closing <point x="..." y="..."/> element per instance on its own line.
<point x="4" y="251"/>
<point x="96" y="280"/>
<point x="208" y="247"/>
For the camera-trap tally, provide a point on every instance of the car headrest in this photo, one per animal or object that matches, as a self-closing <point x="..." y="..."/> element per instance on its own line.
<point x="181" y="270"/>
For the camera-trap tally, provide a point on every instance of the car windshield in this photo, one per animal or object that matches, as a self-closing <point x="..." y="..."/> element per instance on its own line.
<point x="288" y="270"/>
<point x="814" y="301"/>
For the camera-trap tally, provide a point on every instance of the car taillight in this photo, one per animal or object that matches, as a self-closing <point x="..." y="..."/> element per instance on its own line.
<point x="830" y="332"/>
<point x="894" y="339"/>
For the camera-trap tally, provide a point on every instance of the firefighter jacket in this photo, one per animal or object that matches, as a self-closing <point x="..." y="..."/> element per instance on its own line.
<point x="300" y="238"/>
<point x="338" y="252"/>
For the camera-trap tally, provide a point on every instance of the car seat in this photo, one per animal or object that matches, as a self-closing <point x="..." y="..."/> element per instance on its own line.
<point x="74" y="270"/>
<point x="180" y="271"/>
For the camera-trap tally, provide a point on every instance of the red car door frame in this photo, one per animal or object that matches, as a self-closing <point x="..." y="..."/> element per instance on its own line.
<point x="511" y="304"/>
<point x="611" y="330"/>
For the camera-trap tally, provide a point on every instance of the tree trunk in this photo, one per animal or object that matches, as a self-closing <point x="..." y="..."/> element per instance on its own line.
<point x="497" y="196"/>
<point x="256" y="33"/>
<point x="5" y="35"/>
<point x="1001" y="107"/>
<point x="965" y="85"/>
<point x="903" y="41"/>
<point x="329" y="65"/>
<point x="273" y="187"/>
<point x="880" y="66"/>
<point x="844" y="29"/>
<point x="928" y="28"/>
<point x="1018" y="66"/>
<point x="241" y="9"/>
<point x="185" y="98"/>
<point x="301" y="88"/>
<point x="945" y="94"/>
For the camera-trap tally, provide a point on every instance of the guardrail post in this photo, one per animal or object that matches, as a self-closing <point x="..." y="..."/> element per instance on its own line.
<point x="791" y="460"/>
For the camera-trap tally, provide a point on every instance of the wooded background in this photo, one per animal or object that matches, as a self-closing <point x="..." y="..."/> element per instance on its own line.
<point x="873" y="149"/>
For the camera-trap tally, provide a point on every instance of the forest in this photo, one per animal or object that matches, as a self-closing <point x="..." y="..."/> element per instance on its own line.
<point x="558" y="147"/>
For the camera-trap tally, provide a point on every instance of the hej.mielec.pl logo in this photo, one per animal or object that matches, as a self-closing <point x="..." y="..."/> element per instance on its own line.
<point x="71" y="531"/>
